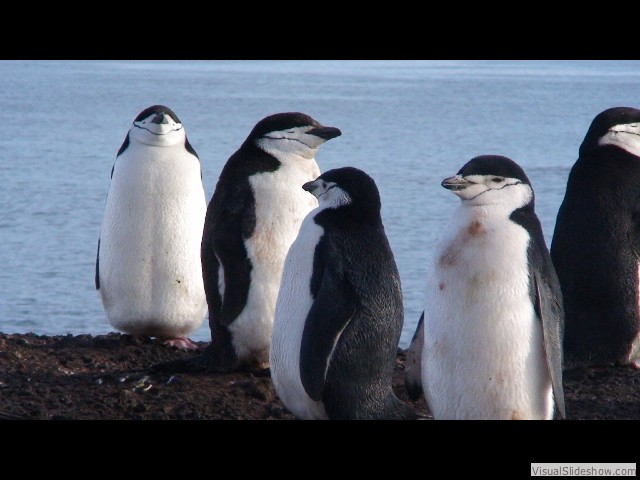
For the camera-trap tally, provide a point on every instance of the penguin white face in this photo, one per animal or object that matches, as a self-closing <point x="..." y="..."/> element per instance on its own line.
<point x="157" y="128"/>
<point x="347" y="187"/>
<point x="617" y="126"/>
<point x="490" y="180"/>
<point x="625" y="136"/>
<point x="329" y="194"/>
<point x="301" y="141"/>
<point x="291" y="134"/>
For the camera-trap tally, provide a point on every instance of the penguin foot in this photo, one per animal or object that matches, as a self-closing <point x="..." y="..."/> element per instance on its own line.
<point x="414" y="389"/>
<point x="182" y="343"/>
<point x="208" y="362"/>
<point x="261" y="372"/>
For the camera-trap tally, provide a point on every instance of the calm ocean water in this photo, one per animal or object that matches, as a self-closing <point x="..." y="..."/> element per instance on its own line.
<point x="408" y="124"/>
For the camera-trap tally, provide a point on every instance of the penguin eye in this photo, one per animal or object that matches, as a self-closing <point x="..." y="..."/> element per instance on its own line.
<point x="497" y="179"/>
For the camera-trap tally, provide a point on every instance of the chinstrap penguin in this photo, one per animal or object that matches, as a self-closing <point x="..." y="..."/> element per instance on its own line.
<point x="596" y="244"/>
<point x="493" y="316"/>
<point x="253" y="217"/>
<point x="339" y="312"/>
<point x="148" y="269"/>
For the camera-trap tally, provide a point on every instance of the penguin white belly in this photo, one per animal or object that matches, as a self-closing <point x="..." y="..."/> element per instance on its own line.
<point x="150" y="270"/>
<point x="483" y="354"/>
<point x="280" y="207"/>
<point x="294" y="302"/>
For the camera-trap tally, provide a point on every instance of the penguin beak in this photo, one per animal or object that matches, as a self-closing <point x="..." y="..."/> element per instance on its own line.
<point x="319" y="187"/>
<point x="160" y="118"/>
<point x="456" y="183"/>
<point x="310" y="187"/>
<point x="326" y="133"/>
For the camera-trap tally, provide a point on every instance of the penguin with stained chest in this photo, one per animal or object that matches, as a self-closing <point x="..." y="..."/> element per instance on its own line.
<point x="252" y="219"/>
<point x="339" y="312"/>
<point x="148" y="269"/>
<point x="596" y="244"/>
<point x="493" y="317"/>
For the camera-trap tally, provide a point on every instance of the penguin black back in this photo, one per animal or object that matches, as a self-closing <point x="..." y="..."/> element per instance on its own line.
<point x="596" y="243"/>
<point x="353" y="329"/>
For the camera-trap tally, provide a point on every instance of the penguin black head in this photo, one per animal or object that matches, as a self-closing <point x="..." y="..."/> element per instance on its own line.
<point x="346" y="186"/>
<point x="290" y="133"/>
<point x="619" y="126"/>
<point x="157" y="125"/>
<point x="155" y="114"/>
<point x="491" y="179"/>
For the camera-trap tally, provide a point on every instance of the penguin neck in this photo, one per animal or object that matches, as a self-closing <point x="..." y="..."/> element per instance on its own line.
<point x="494" y="214"/>
<point x="305" y="168"/>
<point x="489" y="210"/>
<point x="291" y="151"/>
<point x="610" y="151"/>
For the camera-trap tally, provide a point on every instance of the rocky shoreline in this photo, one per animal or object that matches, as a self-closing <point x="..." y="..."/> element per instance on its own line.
<point x="107" y="377"/>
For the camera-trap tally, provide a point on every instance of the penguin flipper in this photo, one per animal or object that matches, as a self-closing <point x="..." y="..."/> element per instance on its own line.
<point x="97" y="279"/>
<point x="634" y="231"/>
<point x="329" y="315"/>
<point x="413" y="363"/>
<point x="223" y="246"/>
<point x="122" y="149"/>
<point x="551" y="313"/>
<point x="210" y="272"/>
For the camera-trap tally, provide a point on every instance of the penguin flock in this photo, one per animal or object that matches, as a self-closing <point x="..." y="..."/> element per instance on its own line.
<point x="294" y="270"/>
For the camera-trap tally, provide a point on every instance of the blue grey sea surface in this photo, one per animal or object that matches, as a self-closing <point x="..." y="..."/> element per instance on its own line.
<point x="408" y="124"/>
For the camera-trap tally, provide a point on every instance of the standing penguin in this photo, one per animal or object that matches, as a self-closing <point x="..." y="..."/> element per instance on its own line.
<point x="596" y="244"/>
<point x="339" y="313"/>
<point x="148" y="269"/>
<point x="493" y="316"/>
<point x="253" y="217"/>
